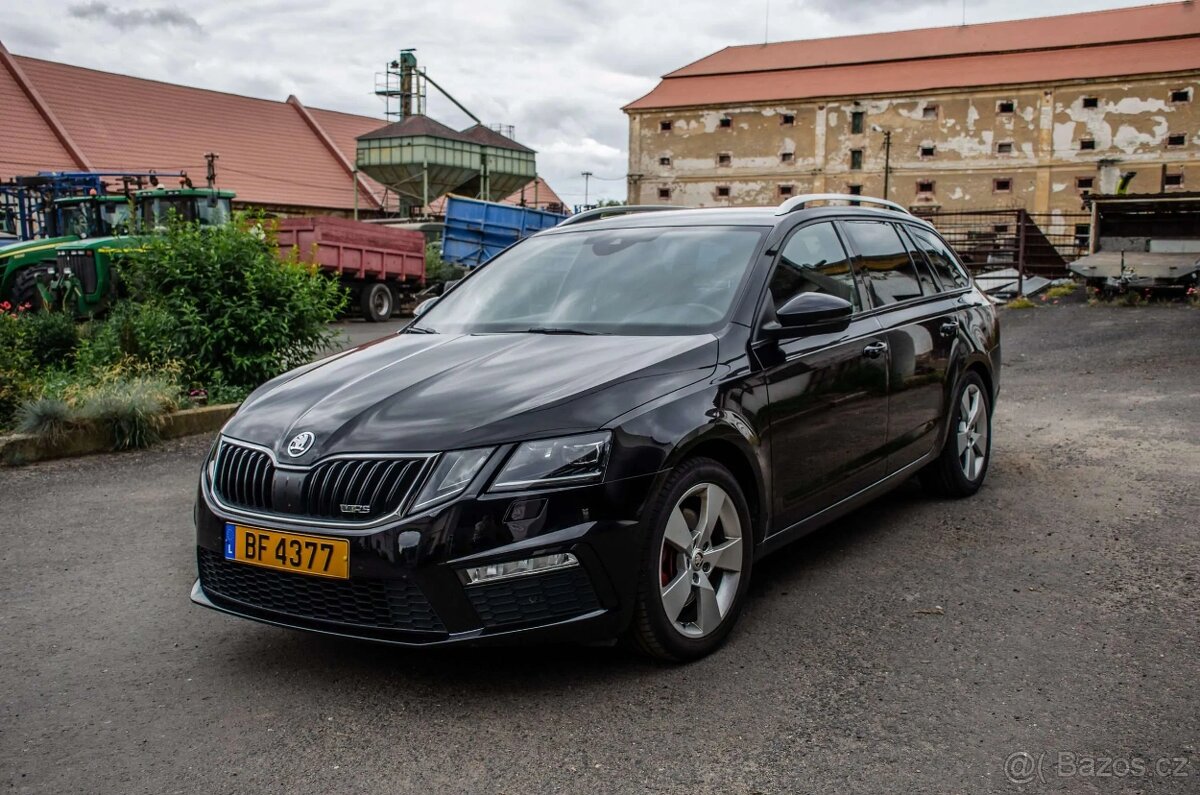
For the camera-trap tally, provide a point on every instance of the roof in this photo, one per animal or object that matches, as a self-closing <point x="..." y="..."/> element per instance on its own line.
<point x="412" y="126"/>
<point x="489" y="137"/>
<point x="1119" y="42"/>
<point x="270" y="153"/>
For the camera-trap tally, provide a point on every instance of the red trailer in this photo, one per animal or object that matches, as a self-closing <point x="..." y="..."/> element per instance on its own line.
<point x="380" y="265"/>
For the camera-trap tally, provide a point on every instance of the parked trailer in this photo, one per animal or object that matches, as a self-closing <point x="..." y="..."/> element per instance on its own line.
<point x="477" y="230"/>
<point x="381" y="266"/>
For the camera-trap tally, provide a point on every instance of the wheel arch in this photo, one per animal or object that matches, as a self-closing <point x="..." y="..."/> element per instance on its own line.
<point x="729" y="448"/>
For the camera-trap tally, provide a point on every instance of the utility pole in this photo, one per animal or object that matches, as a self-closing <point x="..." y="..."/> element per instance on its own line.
<point x="887" y="161"/>
<point x="587" y="176"/>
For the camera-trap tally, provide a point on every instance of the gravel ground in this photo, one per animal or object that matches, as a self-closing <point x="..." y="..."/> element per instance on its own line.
<point x="909" y="648"/>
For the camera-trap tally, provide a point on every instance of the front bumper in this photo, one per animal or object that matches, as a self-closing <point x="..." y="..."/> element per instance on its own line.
<point x="405" y="586"/>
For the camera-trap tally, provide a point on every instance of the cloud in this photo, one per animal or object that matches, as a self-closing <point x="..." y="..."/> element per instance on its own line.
<point x="134" y="18"/>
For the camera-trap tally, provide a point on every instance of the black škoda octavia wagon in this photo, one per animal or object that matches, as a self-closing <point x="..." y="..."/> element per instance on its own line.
<point x="598" y="432"/>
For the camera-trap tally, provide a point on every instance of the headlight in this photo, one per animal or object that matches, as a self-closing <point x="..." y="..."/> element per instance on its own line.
<point x="453" y="473"/>
<point x="546" y="462"/>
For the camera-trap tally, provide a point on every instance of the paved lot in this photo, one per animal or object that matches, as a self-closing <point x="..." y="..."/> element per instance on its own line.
<point x="909" y="648"/>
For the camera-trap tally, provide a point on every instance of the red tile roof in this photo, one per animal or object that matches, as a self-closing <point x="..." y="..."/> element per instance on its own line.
<point x="270" y="154"/>
<point x="537" y="195"/>
<point x="1120" y="42"/>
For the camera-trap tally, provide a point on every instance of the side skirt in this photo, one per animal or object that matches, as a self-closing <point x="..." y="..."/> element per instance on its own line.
<point x="839" y="509"/>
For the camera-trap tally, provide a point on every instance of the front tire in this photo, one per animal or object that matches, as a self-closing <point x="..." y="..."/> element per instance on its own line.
<point x="963" y="463"/>
<point x="696" y="564"/>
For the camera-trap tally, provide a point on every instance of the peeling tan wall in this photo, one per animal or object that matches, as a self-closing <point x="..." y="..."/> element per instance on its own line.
<point x="1130" y="127"/>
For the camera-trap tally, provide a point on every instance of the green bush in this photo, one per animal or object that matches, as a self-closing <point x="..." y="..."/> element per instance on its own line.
<point x="220" y="301"/>
<point x="437" y="269"/>
<point x="132" y="409"/>
<point x="50" y="336"/>
<point x="17" y="368"/>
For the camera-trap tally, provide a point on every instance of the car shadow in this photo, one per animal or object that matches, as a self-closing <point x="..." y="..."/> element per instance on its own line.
<point x="538" y="668"/>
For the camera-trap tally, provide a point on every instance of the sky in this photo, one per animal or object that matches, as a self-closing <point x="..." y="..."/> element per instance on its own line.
<point x="558" y="70"/>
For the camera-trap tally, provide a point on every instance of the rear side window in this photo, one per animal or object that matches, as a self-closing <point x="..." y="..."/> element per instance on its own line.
<point x="940" y="259"/>
<point x="814" y="261"/>
<point x="929" y="285"/>
<point x="890" y="273"/>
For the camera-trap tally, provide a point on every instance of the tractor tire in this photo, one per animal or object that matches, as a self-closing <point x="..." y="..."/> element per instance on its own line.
<point x="25" y="286"/>
<point x="377" y="302"/>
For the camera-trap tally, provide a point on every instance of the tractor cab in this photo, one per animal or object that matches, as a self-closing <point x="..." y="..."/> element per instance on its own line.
<point x="86" y="217"/>
<point x="205" y="206"/>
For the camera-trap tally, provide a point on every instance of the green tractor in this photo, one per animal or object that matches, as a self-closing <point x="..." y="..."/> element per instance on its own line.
<point x="24" y="264"/>
<point x="82" y="278"/>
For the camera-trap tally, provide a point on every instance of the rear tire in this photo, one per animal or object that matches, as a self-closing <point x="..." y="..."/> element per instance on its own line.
<point x="378" y="302"/>
<point x="695" y="564"/>
<point x="963" y="463"/>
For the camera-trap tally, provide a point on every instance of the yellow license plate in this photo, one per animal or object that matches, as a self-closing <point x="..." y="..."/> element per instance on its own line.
<point x="273" y="549"/>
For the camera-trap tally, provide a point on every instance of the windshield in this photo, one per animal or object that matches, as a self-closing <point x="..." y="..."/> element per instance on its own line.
<point x="661" y="280"/>
<point x="79" y="219"/>
<point x="116" y="217"/>
<point x="207" y="211"/>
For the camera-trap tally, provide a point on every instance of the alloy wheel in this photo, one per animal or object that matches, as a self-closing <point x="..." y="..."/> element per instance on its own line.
<point x="972" y="432"/>
<point x="700" y="560"/>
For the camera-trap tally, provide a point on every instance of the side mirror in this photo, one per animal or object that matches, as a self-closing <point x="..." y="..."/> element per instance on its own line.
<point x="810" y="313"/>
<point x="424" y="306"/>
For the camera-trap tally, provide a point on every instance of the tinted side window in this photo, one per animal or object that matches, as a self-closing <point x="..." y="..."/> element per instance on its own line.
<point x="890" y="273"/>
<point x="929" y="285"/>
<point x="814" y="261"/>
<point x="940" y="258"/>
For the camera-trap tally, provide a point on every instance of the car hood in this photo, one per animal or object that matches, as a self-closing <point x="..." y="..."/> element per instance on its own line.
<point x="20" y="247"/>
<point x="431" y="392"/>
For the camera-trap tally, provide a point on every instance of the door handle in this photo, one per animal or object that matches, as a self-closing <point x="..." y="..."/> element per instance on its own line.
<point x="949" y="328"/>
<point x="875" y="350"/>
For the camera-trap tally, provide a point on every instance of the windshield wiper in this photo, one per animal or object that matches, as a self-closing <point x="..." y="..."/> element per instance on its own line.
<point x="419" y="330"/>
<point x="555" y="330"/>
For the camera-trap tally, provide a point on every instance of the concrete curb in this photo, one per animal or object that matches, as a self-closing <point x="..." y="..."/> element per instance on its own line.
<point x="25" y="448"/>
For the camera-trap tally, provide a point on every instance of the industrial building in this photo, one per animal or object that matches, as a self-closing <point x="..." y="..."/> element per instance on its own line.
<point x="284" y="157"/>
<point x="1027" y="114"/>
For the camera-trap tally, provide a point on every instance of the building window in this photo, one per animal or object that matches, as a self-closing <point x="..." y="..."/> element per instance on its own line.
<point x="1083" y="235"/>
<point x="664" y="161"/>
<point x="925" y="187"/>
<point x="1087" y="143"/>
<point x="857" y="121"/>
<point x="1084" y="183"/>
<point x="1177" y="139"/>
<point x="723" y="191"/>
<point x="664" y="193"/>
<point x="856" y="159"/>
<point x="1091" y="102"/>
<point x="854" y="190"/>
<point x="929" y="112"/>
<point x="786" y="157"/>
<point x="1181" y="95"/>
<point x="725" y="123"/>
<point x="786" y="190"/>
<point x="1000" y="229"/>
<point x="928" y="150"/>
<point x="1006" y="106"/>
<point x="1002" y="185"/>
<point x="724" y="159"/>
<point x="665" y="126"/>
<point x="1173" y="180"/>
<point x="1004" y="148"/>
<point x="787" y="119"/>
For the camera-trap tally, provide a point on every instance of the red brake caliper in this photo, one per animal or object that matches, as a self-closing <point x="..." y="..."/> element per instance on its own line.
<point x="667" y="566"/>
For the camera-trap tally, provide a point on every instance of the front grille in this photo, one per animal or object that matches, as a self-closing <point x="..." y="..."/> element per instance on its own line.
<point x="83" y="265"/>
<point x="386" y="604"/>
<point x="346" y="489"/>
<point x="245" y="478"/>
<point x="537" y="597"/>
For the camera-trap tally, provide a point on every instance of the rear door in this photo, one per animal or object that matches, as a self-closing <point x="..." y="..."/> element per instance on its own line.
<point x="919" y="324"/>
<point x="827" y="392"/>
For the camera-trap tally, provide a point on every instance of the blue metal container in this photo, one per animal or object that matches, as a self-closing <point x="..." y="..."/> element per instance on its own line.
<point x="477" y="230"/>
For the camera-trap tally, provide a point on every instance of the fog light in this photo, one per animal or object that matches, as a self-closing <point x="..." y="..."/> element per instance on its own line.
<point x="518" y="568"/>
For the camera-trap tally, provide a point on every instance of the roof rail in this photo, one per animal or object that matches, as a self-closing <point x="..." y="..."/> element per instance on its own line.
<point x="798" y="202"/>
<point x="598" y="213"/>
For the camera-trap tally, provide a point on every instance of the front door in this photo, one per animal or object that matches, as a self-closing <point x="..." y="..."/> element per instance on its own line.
<point x="827" y="417"/>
